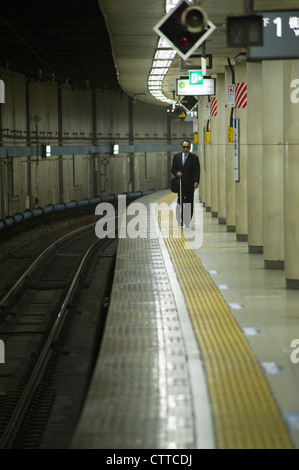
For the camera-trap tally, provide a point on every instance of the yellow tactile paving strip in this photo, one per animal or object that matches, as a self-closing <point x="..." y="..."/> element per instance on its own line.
<point x="244" y="411"/>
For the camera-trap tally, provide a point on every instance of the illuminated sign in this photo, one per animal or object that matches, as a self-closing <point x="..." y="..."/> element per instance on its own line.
<point x="281" y="36"/>
<point x="46" y="150"/>
<point x="195" y="77"/>
<point x="184" y="87"/>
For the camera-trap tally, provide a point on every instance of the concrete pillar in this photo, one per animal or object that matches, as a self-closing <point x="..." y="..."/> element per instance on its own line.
<point x="208" y="165"/>
<point x="208" y="194"/>
<point x="273" y="154"/>
<point x="221" y="146"/>
<point x="291" y="172"/>
<point x="255" y="158"/>
<point x="241" y="185"/>
<point x="229" y="159"/>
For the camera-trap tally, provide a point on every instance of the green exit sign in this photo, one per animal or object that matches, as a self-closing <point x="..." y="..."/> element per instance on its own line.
<point x="195" y="77"/>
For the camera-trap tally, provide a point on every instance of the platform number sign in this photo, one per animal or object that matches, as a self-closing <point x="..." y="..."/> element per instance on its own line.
<point x="281" y="36"/>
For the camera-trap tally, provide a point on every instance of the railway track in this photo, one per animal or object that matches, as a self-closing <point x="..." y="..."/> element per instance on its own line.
<point x="37" y="315"/>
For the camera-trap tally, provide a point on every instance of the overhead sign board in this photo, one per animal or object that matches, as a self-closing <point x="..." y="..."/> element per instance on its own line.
<point x="244" y="31"/>
<point x="281" y="36"/>
<point x="184" y="87"/>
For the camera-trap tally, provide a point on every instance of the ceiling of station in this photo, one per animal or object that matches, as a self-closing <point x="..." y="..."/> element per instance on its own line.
<point x="109" y="44"/>
<point x="130" y="25"/>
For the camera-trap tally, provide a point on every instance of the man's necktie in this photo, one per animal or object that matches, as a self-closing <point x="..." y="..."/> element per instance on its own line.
<point x="184" y="158"/>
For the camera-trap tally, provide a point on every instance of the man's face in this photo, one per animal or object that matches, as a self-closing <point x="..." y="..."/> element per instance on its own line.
<point x="186" y="147"/>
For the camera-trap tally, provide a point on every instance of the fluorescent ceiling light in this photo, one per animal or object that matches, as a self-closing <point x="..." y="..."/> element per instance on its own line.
<point x="172" y="3"/>
<point x="165" y="54"/>
<point x="162" y="63"/>
<point x="158" y="71"/>
<point x="160" y="66"/>
<point x="159" y="77"/>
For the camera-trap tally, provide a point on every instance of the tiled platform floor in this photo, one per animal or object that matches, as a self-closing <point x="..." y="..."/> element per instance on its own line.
<point x="141" y="394"/>
<point x="265" y="310"/>
<point x="149" y="390"/>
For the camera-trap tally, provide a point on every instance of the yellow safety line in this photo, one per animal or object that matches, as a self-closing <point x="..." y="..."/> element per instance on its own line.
<point x="244" y="411"/>
<point x="222" y="246"/>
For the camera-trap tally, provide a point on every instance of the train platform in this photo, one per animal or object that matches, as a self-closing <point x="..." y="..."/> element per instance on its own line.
<point x="196" y="352"/>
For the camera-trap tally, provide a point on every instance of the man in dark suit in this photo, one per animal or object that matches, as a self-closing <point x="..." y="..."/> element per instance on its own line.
<point x="186" y="166"/>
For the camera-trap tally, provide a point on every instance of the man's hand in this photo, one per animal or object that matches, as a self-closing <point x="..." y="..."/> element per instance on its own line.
<point x="179" y="174"/>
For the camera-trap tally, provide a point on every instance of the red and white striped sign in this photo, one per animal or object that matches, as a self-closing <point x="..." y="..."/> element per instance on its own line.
<point x="214" y="106"/>
<point x="241" y="95"/>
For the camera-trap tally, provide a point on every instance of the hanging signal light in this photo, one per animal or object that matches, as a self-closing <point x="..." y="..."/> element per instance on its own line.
<point x="185" y="28"/>
<point x="195" y="19"/>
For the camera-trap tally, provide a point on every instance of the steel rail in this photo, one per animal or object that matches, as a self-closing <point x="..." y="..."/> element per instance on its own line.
<point x="18" y="284"/>
<point x="20" y="410"/>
